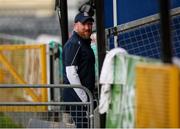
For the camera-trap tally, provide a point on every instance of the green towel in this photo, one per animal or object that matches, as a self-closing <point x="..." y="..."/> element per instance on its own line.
<point x="121" y="109"/>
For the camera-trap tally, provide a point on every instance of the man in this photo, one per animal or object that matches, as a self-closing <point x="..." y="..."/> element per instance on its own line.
<point x="78" y="64"/>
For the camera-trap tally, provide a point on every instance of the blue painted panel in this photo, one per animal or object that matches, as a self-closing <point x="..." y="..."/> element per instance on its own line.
<point x="108" y="11"/>
<point x="129" y="10"/>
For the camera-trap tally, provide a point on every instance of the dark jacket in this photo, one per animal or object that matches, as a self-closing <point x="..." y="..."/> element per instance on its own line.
<point x="84" y="60"/>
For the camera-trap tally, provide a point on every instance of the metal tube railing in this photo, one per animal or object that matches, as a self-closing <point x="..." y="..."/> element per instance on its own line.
<point x="90" y="103"/>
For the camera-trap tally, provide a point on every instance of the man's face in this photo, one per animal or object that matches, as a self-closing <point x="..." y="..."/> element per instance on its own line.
<point x="84" y="29"/>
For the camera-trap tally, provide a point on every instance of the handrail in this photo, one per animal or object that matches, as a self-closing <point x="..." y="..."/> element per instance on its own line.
<point x="91" y="104"/>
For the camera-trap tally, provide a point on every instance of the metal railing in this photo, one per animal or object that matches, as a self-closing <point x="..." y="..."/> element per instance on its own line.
<point x="49" y="106"/>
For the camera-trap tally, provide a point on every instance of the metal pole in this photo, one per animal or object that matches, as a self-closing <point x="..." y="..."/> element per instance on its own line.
<point x="166" y="48"/>
<point x="51" y="68"/>
<point x="63" y="18"/>
<point x="115" y="21"/>
<point x="100" y="31"/>
<point x="99" y="5"/>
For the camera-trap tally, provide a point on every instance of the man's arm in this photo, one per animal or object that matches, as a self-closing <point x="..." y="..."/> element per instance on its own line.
<point x="72" y="75"/>
<point x="71" y="62"/>
<point x="71" y="65"/>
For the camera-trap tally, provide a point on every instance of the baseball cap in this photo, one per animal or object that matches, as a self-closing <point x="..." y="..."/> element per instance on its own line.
<point x="82" y="17"/>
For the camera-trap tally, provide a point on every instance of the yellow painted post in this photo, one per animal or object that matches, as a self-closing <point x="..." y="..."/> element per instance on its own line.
<point x="44" y="73"/>
<point x="1" y="76"/>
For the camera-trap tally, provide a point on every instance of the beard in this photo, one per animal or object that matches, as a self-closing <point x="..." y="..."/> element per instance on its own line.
<point x="85" y="35"/>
